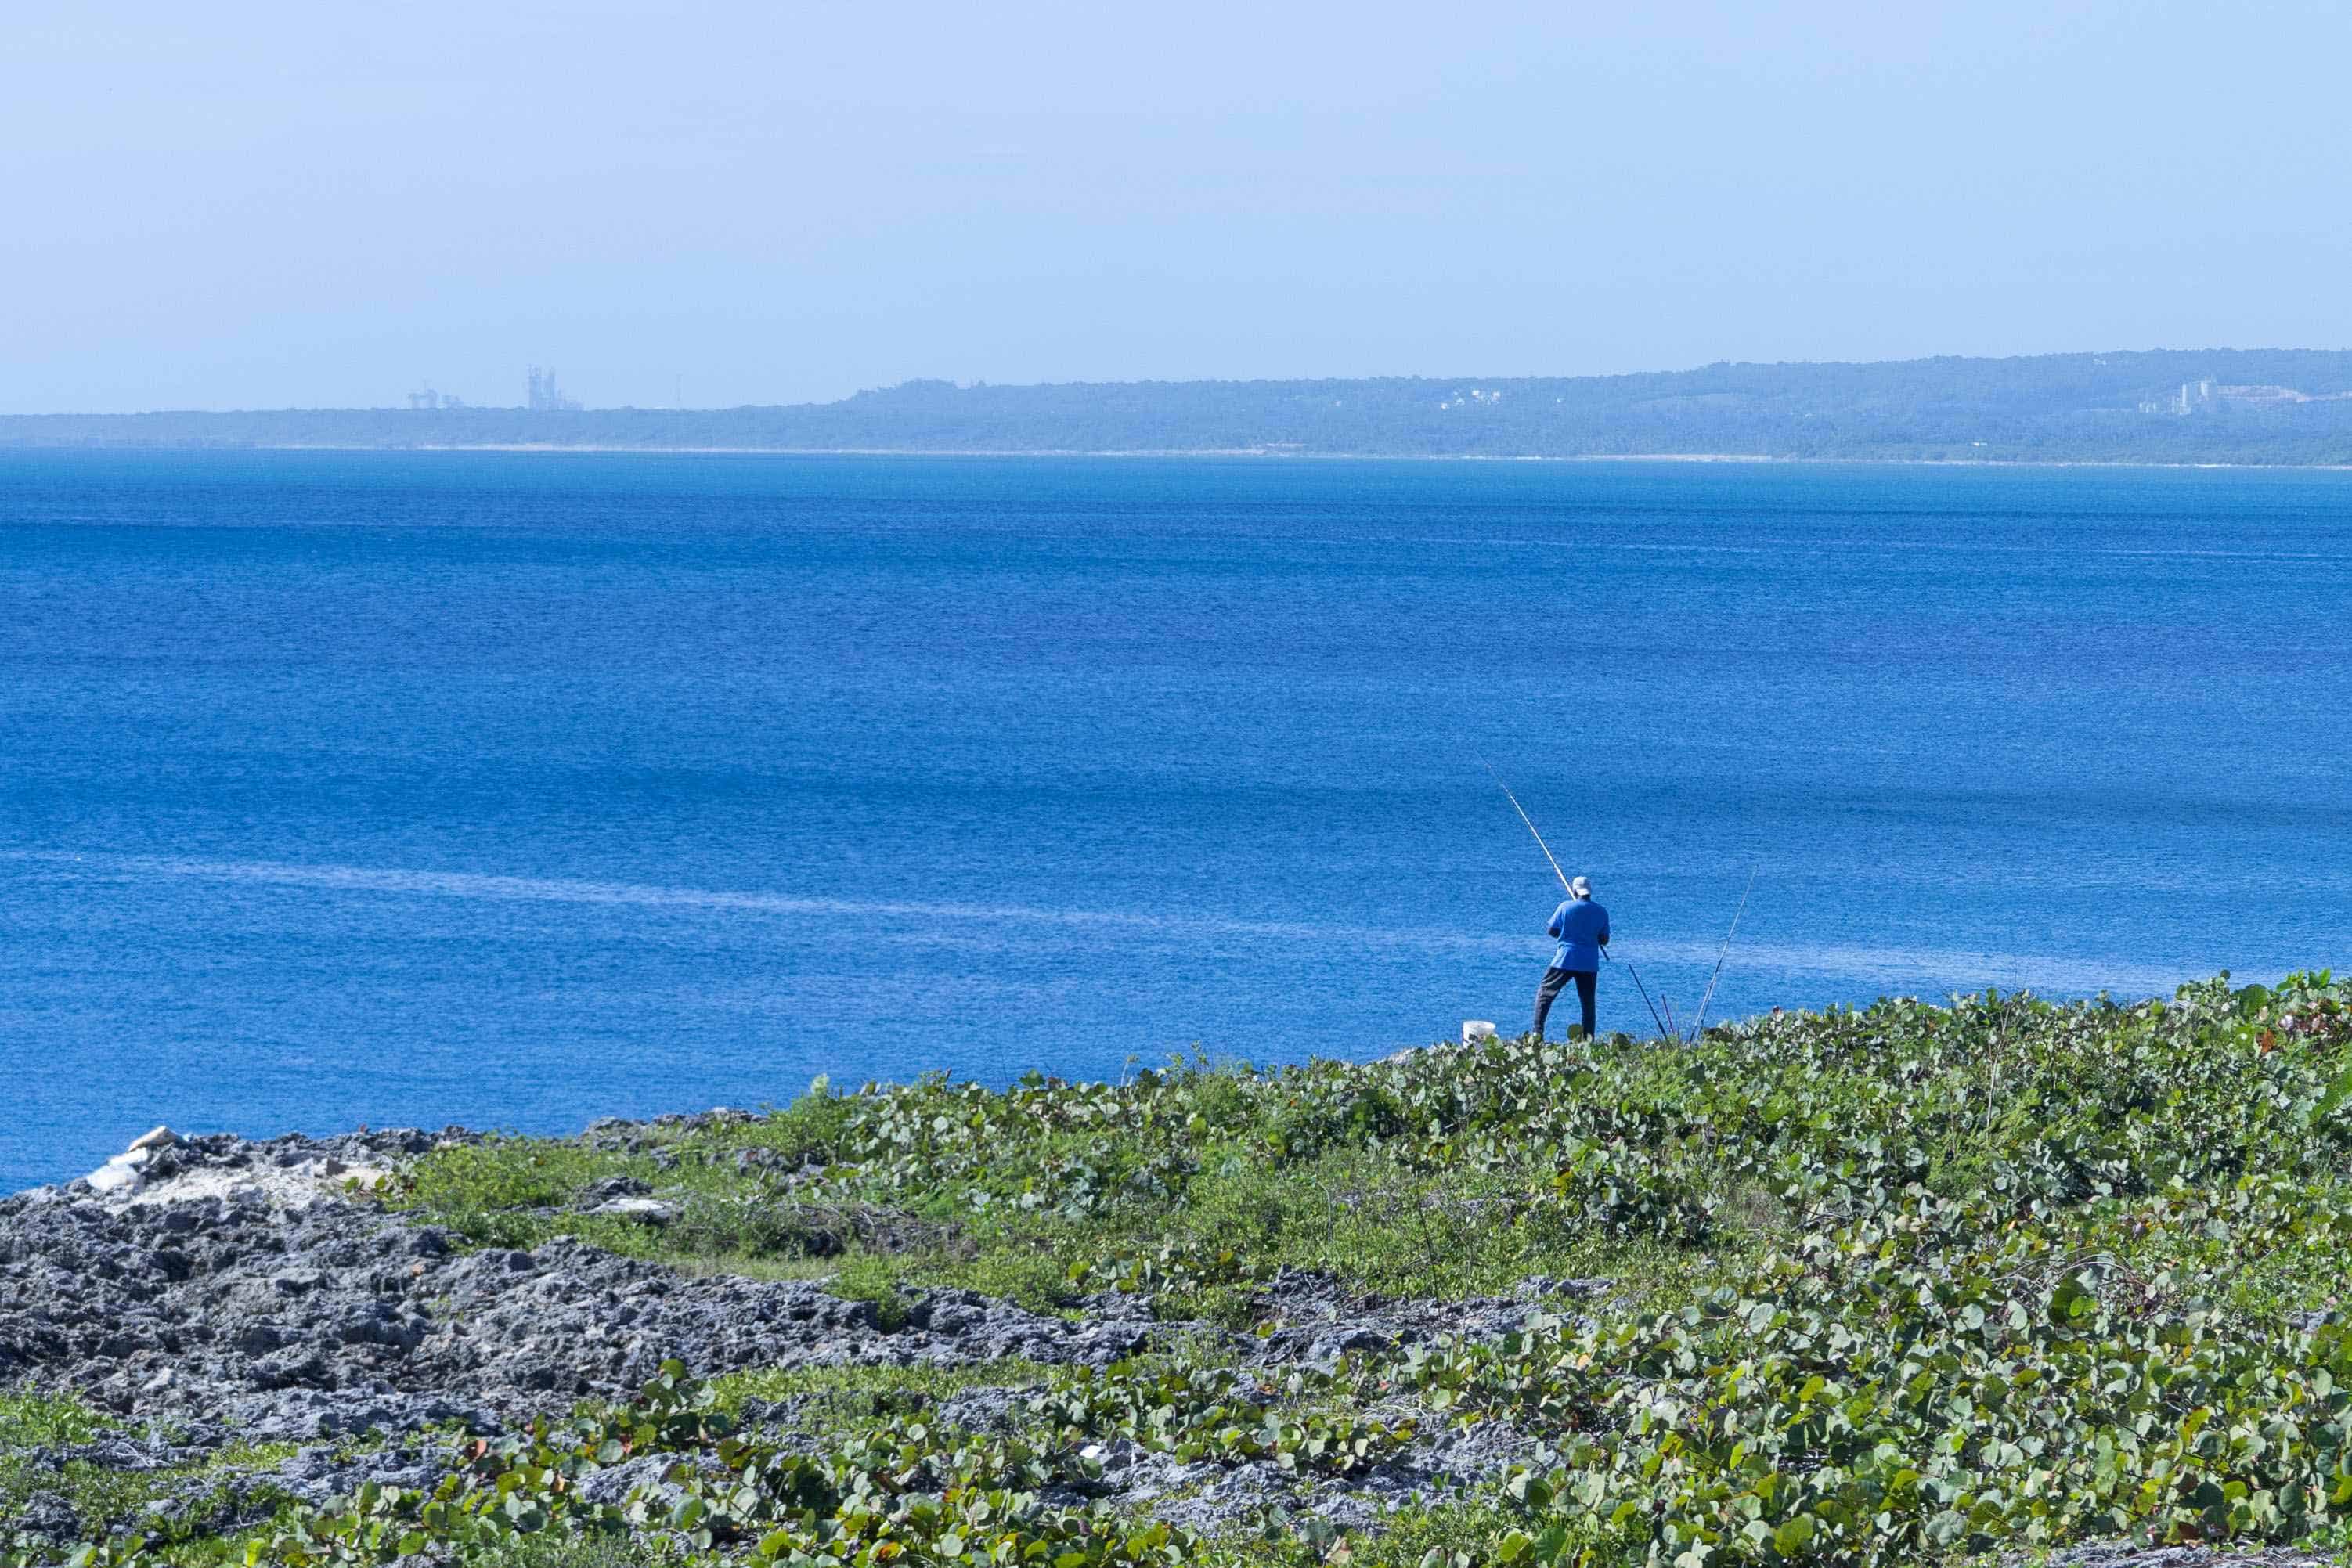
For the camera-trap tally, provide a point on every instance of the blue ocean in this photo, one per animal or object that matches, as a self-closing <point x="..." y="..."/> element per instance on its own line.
<point x="517" y="789"/>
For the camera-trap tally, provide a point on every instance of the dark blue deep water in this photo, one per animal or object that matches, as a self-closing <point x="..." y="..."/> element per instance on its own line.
<point x="522" y="789"/>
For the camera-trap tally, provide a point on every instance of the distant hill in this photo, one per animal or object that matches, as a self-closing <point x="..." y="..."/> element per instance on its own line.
<point x="2285" y="406"/>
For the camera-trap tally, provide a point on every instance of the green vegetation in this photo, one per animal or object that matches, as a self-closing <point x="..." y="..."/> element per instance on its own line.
<point x="108" y="1502"/>
<point x="2044" y="408"/>
<point x="1909" y="1284"/>
<point x="863" y="1388"/>
<point x="28" y="1420"/>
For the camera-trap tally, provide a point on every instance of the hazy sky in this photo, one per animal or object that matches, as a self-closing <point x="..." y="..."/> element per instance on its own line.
<point x="257" y="204"/>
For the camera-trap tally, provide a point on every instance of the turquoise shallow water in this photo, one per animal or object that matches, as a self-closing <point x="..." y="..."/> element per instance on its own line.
<point x="521" y="789"/>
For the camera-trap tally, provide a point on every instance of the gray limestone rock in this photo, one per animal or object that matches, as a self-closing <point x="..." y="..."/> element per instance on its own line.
<point x="337" y="1317"/>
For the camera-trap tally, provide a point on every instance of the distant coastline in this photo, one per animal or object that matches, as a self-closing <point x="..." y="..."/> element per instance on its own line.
<point x="2220" y="408"/>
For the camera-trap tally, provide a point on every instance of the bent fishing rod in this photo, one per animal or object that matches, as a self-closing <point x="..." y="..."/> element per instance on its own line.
<point x="1530" y="821"/>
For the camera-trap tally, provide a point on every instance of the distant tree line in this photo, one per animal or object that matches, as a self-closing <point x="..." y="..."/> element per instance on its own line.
<point x="2120" y="407"/>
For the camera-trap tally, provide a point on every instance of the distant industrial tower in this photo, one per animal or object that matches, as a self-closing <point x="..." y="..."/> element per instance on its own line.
<point x="428" y="398"/>
<point x="544" y="398"/>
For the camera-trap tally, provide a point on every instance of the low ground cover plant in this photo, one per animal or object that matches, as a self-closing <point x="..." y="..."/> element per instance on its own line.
<point x="1909" y="1284"/>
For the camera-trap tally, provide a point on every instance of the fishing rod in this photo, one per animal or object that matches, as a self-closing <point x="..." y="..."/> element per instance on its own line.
<point x="1645" y="993"/>
<point x="1700" y="1028"/>
<point x="1530" y="821"/>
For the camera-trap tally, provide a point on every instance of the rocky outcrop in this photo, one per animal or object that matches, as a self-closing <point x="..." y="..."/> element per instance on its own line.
<point x="333" y="1317"/>
<point x="246" y="1293"/>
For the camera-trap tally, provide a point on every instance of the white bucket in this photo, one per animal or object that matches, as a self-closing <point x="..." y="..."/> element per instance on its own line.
<point x="1476" y="1029"/>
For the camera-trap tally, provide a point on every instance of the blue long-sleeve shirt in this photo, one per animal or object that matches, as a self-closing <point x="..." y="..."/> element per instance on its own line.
<point x="1582" y="927"/>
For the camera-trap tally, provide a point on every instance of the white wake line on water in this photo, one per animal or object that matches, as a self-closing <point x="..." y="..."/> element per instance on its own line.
<point x="1837" y="546"/>
<point x="1937" y="969"/>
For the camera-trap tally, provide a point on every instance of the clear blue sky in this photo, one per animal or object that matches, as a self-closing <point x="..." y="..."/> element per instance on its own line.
<point x="264" y="205"/>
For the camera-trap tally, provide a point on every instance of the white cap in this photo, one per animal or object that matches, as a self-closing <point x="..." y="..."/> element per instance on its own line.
<point x="1577" y="887"/>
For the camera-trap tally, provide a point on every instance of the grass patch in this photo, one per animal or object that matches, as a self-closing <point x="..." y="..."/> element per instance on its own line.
<point x="30" y="1419"/>
<point x="108" y="1502"/>
<point x="938" y="1382"/>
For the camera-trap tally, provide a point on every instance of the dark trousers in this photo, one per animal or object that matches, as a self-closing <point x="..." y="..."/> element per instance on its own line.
<point x="1554" y="982"/>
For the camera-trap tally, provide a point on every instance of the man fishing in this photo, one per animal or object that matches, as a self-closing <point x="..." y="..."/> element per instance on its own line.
<point x="1582" y="927"/>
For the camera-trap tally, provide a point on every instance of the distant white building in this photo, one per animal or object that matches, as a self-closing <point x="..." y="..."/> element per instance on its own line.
<point x="2194" y="396"/>
<point x="544" y="398"/>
